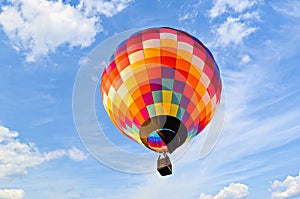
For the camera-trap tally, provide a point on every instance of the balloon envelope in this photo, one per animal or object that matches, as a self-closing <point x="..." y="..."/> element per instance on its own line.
<point x="161" y="88"/>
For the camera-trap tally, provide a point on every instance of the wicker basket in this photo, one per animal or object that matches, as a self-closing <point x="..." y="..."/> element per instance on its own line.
<point x="164" y="165"/>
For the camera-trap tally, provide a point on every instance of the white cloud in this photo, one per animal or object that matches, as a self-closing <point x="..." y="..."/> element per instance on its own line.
<point x="245" y="59"/>
<point x="289" y="188"/>
<point x="233" y="191"/>
<point x="12" y="194"/>
<point x="76" y="155"/>
<point x="233" y="30"/>
<point x="107" y="8"/>
<point x="237" y="24"/>
<point x="189" y="16"/>
<point x="251" y="16"/>
<point x="189" y="12"/>
<point x="39" y="27"/>
<point x="17" y="157"/>
<point x="222" y="6"/>
<point x="289" y="8"/>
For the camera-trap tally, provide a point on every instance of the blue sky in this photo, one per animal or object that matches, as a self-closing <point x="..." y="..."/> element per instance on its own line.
<point x="43" y="44"/>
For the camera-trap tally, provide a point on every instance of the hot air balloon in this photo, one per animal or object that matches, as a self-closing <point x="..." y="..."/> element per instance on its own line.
<point x="161" y="88"/>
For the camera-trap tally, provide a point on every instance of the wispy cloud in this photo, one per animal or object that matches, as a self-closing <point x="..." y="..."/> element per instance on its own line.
<point x="107" y="8"/>
<point x="288" y="188"/>
<point x="237" y="24"/>
<point x="245" y="59"/>
<point x="42" y="121"/>
<point x="223" y="6"/>
<point x="289" y="8"/>
<point x="17" y="157"/>
<point x="37" y="28"/>
<point x="12" y="193"/>
<point x="233" y="30"/>
<point x="233" y="191"/>
<point x="189" y="12"/>
<point x="76" y="155"/>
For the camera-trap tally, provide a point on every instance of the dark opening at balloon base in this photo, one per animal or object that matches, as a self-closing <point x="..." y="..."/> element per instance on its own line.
<point x="163" y="130"/>
<point x="164" y="165"/>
